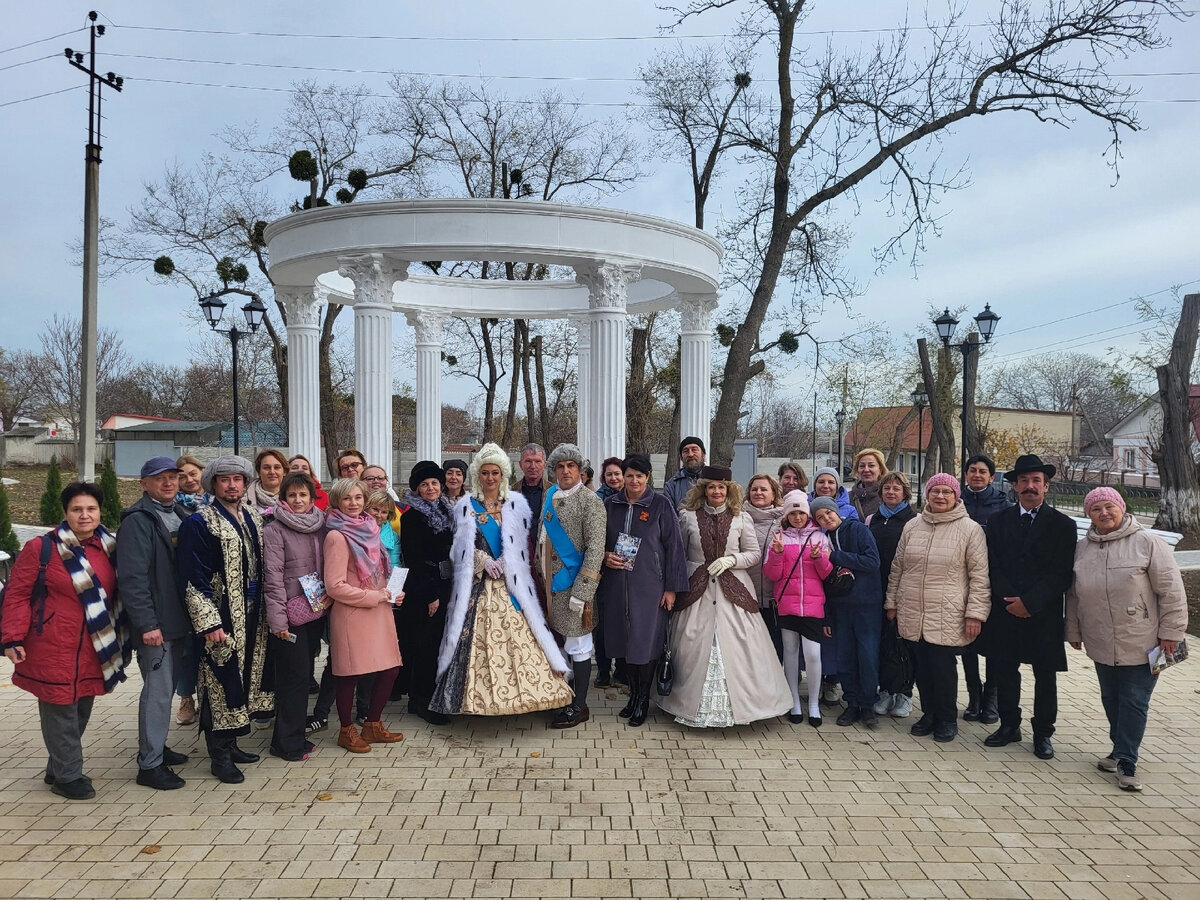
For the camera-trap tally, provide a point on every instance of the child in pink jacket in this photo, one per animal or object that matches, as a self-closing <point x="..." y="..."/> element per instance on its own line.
<point x="797" y="561"/>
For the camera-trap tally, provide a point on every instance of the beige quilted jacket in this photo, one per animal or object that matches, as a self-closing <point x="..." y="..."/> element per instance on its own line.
<point x="940" y="578"/>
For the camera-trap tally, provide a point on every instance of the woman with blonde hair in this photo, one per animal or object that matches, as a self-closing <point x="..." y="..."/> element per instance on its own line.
<point x="726" y="670"/>
<point x="765" y="508"/>
<point x="869" y="467"/>
<point x="498" y="657"/>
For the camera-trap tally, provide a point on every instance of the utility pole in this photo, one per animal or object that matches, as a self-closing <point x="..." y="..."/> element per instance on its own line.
<point x="86" y="455"/>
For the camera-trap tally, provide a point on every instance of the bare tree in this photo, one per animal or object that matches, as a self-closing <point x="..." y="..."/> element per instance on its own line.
<point x="838" y="119"/>
<point x="62" y="343"/>
<point x="1179" y="507"/>
<point x="21" y="378"/>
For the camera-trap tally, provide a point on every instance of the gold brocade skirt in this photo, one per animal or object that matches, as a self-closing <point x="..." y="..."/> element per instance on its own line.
<point x="498" y="668"/>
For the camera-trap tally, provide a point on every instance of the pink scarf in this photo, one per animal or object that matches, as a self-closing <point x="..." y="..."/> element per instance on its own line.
<point x="362" y="534"/>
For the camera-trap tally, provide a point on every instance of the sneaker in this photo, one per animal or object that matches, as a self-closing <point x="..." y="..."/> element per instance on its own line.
<point x="831" y="693"/>
<point x="1108" y="764"/>
<point x="1127" y="779"/>
<point x="315" y="724"/>
<point x="79" y="789"/>
<point x="884" y="704"/>
<point x="161" y="778"/>
<point x="848" y="717"/>
<point x="901" y="707"/>
<point x="187" y="711"/>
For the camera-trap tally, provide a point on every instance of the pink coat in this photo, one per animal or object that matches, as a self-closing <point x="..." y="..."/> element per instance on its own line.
<point x="362" y="630"/>
<point x="803" y="594"/>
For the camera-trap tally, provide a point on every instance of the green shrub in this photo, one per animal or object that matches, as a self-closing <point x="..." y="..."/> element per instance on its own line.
<point x="8" y="537"/>
<point x="110" y="511"/>
<point x="51" y="511"/>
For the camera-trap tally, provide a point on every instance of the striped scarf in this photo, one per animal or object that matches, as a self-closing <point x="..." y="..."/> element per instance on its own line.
<point x="112" y="643"/>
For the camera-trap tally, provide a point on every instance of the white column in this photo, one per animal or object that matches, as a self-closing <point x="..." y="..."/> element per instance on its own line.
<point x="373" y="275"/>
<point x="583" y="388"/>
<point x="428" y="325"/>
<point x="303" y="308"/>
<point x="695" y="365"/>
<point x="608" y="290"/>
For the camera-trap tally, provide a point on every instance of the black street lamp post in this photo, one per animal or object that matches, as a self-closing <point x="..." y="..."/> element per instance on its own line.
<point x="213" y="306"/>
<point x="986" y="322"/>
<point x="840" y="415"/>
<point x="919" y="399"/>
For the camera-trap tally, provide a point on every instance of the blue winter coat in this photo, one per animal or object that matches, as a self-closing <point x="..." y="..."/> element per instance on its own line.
<point x="854" y="548"/>
<point x="845" y="508"/>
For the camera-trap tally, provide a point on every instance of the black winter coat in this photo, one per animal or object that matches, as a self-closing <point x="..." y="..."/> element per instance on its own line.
<point x="854" y="548"/>
<point x="147" y="573"/>
<point x="424" y="550"/>
<point x="1037" y="566"/>
<point x="887" y="537"/>
<point x="983" y="505"/>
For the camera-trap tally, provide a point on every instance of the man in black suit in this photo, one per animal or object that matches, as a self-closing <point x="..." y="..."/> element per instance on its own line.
<point x="1031" y="556"/>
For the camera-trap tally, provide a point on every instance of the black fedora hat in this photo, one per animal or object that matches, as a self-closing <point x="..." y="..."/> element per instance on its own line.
<point x="1030" y="462"/>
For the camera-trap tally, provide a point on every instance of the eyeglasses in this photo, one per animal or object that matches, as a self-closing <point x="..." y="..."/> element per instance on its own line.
<point x="940" y="492"/>
<point x="350" y="467"/>
<point x="382" y="478"/>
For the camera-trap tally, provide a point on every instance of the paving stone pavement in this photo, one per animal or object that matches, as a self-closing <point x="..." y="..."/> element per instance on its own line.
<point x="509" y="808"/>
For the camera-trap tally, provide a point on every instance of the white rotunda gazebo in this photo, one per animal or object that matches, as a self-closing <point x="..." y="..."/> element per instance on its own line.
<point x="358" y="255"/>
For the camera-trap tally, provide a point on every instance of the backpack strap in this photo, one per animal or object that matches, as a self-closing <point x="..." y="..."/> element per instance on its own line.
<point x="37" y="596"/>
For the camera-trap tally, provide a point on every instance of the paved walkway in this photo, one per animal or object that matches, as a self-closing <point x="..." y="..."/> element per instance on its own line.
<point x="509" y="808"/>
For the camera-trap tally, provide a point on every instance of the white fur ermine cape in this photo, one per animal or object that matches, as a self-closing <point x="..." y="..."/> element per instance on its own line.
<point x="514" y="537"/>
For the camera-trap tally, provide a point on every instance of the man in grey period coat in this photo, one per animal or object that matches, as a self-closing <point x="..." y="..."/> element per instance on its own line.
<point x="570" y="551"/>
<point x="148" y="579"/>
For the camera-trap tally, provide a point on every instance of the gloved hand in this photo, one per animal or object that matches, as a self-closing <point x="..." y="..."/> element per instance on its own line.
<point x="494" y="568"/>
<point x="721" y="565"/>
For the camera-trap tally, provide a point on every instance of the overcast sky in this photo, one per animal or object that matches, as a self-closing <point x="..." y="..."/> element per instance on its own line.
<point x="1044" y="231"/>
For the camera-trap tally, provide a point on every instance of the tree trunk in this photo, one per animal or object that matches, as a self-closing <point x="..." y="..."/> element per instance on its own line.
<point x="514" y="385"/>
<point x="1179" y="507"/>
<point x="970" y="423"/>
<point x="530" y="409"/>
<point x="543" y="406"/>
<point x="898" y="438"/>
<point x="637" y="405"/>
<point x="938" y="423"/>
<point x="489" y="396"/>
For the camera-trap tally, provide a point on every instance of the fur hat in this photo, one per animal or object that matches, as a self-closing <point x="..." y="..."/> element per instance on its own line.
<point x="795" y="501"/>
<point x="1102" y="495"/>
<point x="426" y="468"/>
<point x="562" y="453"/>
<point x="226" y="465"/>
<point x="716" y="473"/>
<point x="495" y="455"/>
<point x="823" y="503"/>
<point x="944" y="479"/>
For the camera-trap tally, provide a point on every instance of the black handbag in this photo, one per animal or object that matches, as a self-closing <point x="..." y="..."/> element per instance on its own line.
<point x="896" y="670"/>
<point x="840" y="581"/>
<point x="666" y="670"/>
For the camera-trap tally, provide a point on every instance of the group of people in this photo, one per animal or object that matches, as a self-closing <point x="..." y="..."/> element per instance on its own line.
<point x="478" y="594"/>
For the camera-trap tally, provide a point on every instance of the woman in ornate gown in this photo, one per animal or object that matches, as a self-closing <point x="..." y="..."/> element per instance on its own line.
<point x="498" y="657"/>
<point x="726" y="670"/>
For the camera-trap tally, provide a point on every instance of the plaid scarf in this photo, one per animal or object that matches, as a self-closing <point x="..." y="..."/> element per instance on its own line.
<point x="112" y="643"/>
<point x="366" y="548"/>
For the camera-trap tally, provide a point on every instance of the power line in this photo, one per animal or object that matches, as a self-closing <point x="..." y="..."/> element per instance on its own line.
<point x="73" y="87"/>
<point x="28" y="61"/>
<point x="1102" y="308"/>
<point x="42" y="40"/>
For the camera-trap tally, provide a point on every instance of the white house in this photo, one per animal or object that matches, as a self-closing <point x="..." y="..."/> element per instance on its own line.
<point x="1137" y="435"/>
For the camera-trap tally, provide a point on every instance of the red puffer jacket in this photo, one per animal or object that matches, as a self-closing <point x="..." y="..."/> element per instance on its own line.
<point x="60" y="664"/>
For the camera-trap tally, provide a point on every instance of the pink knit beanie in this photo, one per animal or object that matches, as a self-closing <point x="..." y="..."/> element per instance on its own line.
<point x="1102" y="495"/>
<point x="944" y="479"/>
<point x="794" y="501"/>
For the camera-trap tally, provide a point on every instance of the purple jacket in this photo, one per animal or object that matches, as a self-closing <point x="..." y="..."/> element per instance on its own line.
<point x="287" y="555"/>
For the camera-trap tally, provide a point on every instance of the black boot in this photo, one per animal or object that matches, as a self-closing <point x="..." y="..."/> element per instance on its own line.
<point x="603" y="672"/>
<point x="641" y="707"/>
<point x="630" y="676"/>
<point x="219" y="751"/>
<point x="989" y="714"/>
<point x="621" y="671"/>
<point x="974" y="696"/>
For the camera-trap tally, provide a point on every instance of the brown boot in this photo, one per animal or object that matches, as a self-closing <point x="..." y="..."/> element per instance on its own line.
<point x="375" y="733"/>
<point x="349" y="738"/>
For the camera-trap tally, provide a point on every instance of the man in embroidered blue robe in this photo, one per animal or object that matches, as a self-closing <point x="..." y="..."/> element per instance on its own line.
<point x="570" y="551"/>
<point x="221" y="567"/>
